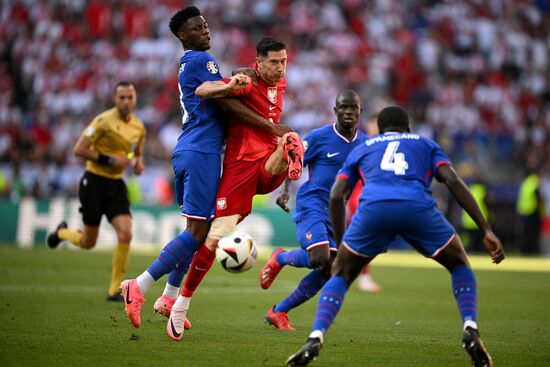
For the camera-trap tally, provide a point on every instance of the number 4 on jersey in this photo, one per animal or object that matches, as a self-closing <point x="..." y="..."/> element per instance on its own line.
<point x="393" y="161"/>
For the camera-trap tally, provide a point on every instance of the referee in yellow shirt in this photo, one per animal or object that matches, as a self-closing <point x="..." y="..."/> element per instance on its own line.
<point x="111" y="142"/>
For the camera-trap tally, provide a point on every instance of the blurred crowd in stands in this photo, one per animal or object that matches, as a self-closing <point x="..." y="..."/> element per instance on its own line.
<point x="474" y="74"/>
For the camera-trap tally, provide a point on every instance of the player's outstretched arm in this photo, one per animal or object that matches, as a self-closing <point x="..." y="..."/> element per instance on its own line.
<point x="337" y="207"/>
<point x="248" y="116"/>
<point x="251" y="72"/>
<point x="220" y="89"/>
<point x="463" y="196"/>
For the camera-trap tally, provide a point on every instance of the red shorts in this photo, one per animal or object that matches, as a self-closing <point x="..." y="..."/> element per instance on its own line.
<point x="240" y="181"/>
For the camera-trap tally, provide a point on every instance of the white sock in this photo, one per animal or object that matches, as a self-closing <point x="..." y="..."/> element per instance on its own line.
<point x="182" y="303"/>
<point x="145" y="281"/>
<point x="471" y="324"/>
<point x="170" y="291"/>
<point x="317" y="334"/>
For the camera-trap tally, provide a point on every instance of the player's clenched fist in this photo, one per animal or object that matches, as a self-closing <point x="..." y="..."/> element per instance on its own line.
<point x="239" y="81"/>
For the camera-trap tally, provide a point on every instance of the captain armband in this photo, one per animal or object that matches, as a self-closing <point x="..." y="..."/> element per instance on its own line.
<point x="106" y="160"/>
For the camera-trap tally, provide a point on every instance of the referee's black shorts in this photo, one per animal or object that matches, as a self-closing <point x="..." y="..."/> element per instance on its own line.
<point x="101" y="195"/>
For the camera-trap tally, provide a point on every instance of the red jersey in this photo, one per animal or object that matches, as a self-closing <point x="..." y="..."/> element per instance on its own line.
<point x="250" y="143"/>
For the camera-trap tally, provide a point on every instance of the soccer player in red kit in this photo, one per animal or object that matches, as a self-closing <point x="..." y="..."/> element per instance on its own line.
<point x="255" y="163"/>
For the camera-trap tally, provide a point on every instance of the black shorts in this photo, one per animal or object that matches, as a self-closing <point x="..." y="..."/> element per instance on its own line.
<point x="101" y="195"/>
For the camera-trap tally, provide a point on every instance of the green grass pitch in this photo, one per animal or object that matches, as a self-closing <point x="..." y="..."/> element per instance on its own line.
<point x="53" y="313"/>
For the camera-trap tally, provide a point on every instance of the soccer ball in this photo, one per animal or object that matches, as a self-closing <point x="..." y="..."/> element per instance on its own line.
<point x="236" y="252"/>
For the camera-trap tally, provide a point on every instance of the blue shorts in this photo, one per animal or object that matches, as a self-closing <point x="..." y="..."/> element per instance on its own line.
<point x="196" y="180"/>
<point x="375" y="226"/>
<point x="312" y="231"/>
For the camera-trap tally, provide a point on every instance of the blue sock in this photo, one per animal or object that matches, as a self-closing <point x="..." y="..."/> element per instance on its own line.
<point x="297" y="258"/>
<point x="465" y="292"/>
<point x="308" y="287"/>
<point x="175" y="252"/>
<point x="176" y="276"/>
<point x="330" y="301"/>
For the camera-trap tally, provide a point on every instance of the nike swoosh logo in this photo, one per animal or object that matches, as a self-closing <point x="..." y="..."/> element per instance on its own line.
<point x="176" y="334"/>
<point x="128" y="295"/>
<point x="199" y="269"/>
<point x="271" y="108"/>
<point x="330" y="155"/>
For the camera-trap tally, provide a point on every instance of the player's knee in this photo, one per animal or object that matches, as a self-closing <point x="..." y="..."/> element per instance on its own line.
<point x="223" y="226"/>
<point x="87" y="244"/>
<point x="325" y="270"/>
<point x="198" y="229"/>
<point x="453" y="256"/>
<point x="124" y="236"/>
<point x="319" y="257"/>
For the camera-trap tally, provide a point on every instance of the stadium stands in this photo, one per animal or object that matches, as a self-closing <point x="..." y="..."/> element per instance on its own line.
<point x="474" y="75"/>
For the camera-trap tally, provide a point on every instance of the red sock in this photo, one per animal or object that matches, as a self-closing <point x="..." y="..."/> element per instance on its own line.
<point x="202" y="261"/>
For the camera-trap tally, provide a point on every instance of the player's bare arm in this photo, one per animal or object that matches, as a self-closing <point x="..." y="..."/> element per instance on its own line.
<point x="246" y="115"/>
<point x="337" y="207"/>
<point x="83" y="149"/>
<point x="251" y="72"/>
<point x="463" y="196"/>
<point x="283" y="198"/>
<point x="280" y="130"/>
<point x="220" y="89"/>
<point x="139" y="164"/>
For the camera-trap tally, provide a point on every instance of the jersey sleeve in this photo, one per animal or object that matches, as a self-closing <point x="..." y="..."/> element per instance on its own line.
<point x="95" y="129"/>
<point x="350" y="170"/>
<point x="439" y="158"/>
<point x="311" y="147"/>
<point x="205" y="68"/>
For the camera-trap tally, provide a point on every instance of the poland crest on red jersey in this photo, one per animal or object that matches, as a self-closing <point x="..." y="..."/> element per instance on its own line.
<point x="272" y="94"/>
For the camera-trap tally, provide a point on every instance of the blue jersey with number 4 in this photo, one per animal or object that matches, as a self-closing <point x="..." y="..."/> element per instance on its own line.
<point x="202" y="128"/>
<point x="395" y="166"/>
<point x="326" y="151"/>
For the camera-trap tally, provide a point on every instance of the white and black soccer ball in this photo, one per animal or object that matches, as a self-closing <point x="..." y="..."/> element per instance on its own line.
<point x="237" y="252"/>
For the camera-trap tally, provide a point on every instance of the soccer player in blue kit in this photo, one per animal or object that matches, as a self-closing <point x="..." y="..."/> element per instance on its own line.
<point x="396" y="168"/>
<point x="326" y="151"/>
<point x="196" y="160"/>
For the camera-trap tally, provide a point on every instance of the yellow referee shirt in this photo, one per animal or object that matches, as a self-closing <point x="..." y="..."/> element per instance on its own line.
<point x="112" y="136"/>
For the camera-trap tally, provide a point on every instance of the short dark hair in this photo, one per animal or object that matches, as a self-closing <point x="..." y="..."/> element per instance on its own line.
<point x="123" y="83"/>
<point x="348" y="93"/>
<point x="393" y="118"/>
<point x="267" y="44"/>
<point x="181" y="17"/>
